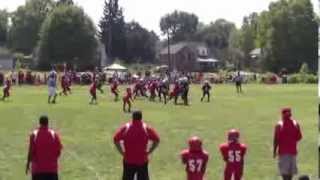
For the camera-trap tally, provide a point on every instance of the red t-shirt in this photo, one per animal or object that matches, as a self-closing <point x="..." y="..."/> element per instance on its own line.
<point x="196" y="163"/>
<point x="135" y="136"/>
<point x="233" y="154"/>
<point x="45" y="146"/>
<point x="287" y="133"/>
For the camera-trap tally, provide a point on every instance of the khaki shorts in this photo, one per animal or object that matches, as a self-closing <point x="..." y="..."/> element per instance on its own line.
<point x="287" y="164"/>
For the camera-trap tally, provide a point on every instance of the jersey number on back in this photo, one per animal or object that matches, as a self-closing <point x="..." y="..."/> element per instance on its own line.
<point x="195" y="165"/>
<point x="234" y="156"/>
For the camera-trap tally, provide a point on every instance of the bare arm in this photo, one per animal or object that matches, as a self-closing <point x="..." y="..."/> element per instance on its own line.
<point x="119" y="148"/>
<point x="275" y="147"/>
<point x="29" y="157"/>
<point x="153" y="147"/>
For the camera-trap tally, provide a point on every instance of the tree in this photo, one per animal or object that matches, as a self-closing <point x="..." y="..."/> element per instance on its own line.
<point x="4" y="16"/>
<point x="140" y="43"/>
<point x="26" y="24"/>
<point x="112" y="30"/>
<point x="288" y="35"/>
<point x="248" y="36"/>
<point x="67" y="36"/>
<point x="181" y="26"/>
<point x="65" y="2"/>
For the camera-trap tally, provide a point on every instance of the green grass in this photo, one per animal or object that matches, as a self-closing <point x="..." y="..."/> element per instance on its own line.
<point x="87" y="130"/>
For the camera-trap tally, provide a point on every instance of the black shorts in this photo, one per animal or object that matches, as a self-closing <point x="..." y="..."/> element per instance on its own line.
<point x="45" y="176"/>
<point x="238" y="83"/>
<point x="130" y="171"/>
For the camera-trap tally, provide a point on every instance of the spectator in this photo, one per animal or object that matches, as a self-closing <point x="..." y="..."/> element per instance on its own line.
<point x="134" y="136"/>
<point x="44" y="151"/>
<point x="286" y="136"/>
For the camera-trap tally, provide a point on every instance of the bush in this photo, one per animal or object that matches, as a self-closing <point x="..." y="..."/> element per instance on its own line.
<point x="302" y="78"/>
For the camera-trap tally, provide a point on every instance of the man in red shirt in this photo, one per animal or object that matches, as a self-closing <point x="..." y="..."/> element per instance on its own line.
<point x="131" y="141"/>
<point x="195" y="159"/>
<point x="233" y="153"/>
<point x="287" y="134"/>
<point x="44" y="151"/>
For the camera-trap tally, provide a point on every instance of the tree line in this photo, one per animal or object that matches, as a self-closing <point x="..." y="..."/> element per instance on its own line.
<point x="60" y="32"/>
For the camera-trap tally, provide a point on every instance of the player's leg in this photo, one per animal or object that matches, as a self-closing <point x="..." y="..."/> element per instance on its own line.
<point x="54" y="98"/>
<point x="129" y="106"/>
<point x="203" y="95"/>
<point x="286" y="167"/>
<point x="208" y="94"/>
<point x="143" y="173"/>
<point x="124" y="104"/>
<point x="238" y="174"/>
<point x="165" y="98"/>
<point x="128" y="172"/>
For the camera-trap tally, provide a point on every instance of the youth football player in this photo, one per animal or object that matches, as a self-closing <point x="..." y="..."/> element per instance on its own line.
<point x="206" y="90"/>
<point x="114" y="90"/>
<point x="233" y="153"/>
<point x="93" y="93"/>
<point x="195" y="158"/>
<point x="127" y="100"/>
<point x="6" y="89"/>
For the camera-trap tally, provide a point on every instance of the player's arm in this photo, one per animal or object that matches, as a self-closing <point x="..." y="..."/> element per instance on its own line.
<point x="223" y="153"/>
<point x="117" y="138"/>
<point x="29" y="155"/>
<point x="299" y="134"/>
<point x="275" y="142"/>
<point x="154" y="137"/>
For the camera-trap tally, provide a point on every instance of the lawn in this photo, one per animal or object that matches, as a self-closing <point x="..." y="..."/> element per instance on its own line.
<point x="87" y="130"/>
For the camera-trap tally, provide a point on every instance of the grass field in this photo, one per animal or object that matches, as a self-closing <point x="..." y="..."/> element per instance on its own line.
<point x="87" y="130"/>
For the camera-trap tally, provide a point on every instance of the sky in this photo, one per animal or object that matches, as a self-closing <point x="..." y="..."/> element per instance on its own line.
<point x="149" y="12"/>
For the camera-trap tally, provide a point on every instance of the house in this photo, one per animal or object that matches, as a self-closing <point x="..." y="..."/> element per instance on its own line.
<point x="188" y="57"/>
<point x="7" y="61"/>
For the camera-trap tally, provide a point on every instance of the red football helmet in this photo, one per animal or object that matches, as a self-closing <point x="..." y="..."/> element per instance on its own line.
<point x="195" y="144"/>
<point x="233" y="135"/>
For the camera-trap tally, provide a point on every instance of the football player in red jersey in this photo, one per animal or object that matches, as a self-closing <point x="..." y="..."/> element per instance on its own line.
<point x="93" y="92"/>
<point x="6" y="89"/>
<point x="114" y="89"/>
<point x="195" y="159"/>
<point x="127" y="100"/>
<point x="233" y="153"/>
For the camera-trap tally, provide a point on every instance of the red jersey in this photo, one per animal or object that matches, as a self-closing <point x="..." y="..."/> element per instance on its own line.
<point x="196" y="163"/>
<point x="127" y="96"/>
<point x="233" y="154"/>
<point x="93" y="88"/>
<point x="135" y="137"/>
<point x="287" y="133"/>
<point x="45" y="147"/>
<point x="64" y="81"/>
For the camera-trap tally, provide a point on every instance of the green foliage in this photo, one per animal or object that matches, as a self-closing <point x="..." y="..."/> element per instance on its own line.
<point x="140" y="43"/>
<point x="179" y="25"/>
<point x="302" y="78"/>
<point x="288" y="34"/>
<point x="112" y="30"/>
<point x="68" y="36"/>
<point x="4" y="17"/>
<point x="26" y="24"/>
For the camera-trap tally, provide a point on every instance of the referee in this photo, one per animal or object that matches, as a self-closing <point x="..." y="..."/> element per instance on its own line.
<point x="131" y="140"/>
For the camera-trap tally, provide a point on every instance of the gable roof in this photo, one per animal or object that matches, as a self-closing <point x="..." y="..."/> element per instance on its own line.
<point x="175" y="48"/>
